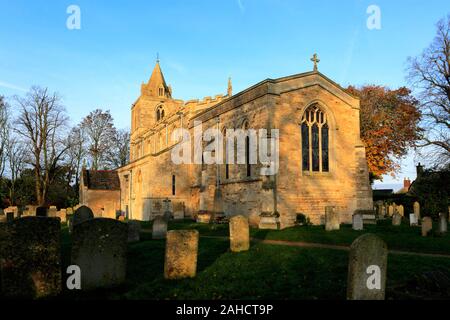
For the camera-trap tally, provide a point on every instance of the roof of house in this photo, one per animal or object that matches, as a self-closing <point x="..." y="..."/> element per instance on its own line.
<point x="101" y="180"/>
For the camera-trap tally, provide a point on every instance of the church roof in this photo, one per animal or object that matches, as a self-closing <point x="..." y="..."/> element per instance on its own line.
<point x="101" y="180"/>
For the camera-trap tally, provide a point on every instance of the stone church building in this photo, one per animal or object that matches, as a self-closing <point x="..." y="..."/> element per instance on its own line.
<point x="322" y="159"/>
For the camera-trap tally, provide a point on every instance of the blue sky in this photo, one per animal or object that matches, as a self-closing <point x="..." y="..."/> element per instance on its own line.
<point x="201" y="44"/>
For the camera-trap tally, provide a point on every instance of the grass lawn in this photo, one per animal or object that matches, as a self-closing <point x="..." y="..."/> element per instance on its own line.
<point x="268" y="271"/>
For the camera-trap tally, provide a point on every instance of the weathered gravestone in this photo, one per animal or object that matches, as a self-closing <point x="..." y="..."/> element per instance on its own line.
<point x="427" y="226"/>
<point x="159" y="228"/>
<point x="358" y="223"/>
<point x="52" y="212"/>
<point x="134" y="231"/>
<point x="367" y="269"/>
<point x="396" y="219"/>
<point x="81" y="215"/>
<point x="332" y="220"/>
<point x="181" y="254"/>
<point x="99" y="248"/>
<point x="13" y="210"/>
<point x="41" y="212"/>
<point x="413" y="221"/>
<point x="239" y="234"/>
<point x="417" y="210"/>
<point x="30" y="258"/>
<point x="443" y="222"/>
<point x="178" y="210"/>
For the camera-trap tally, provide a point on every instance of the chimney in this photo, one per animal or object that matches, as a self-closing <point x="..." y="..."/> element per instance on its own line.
<point x="419" y="170"/>
<point x="406" y="183"/>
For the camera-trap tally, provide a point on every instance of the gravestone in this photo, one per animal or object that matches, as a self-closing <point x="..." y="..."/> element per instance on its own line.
<point x="390" y="210"/>
<point x="181" y="254"/>
<point x="62" y="215"/>
<point x="14" y="210"/>
<point x="99" y="248"/>
<point x="52" y="212"/>
<point x="443" y="223"/>
<point x="367" y="267"/>
<point x="417" y="210"/>
<point x="204" y="217"/>
<point x="81" y="215"/>
<point x="3" y="219"/>
<point x="239" y="234"/>
<point x="401" y="210"/>
<point x="159" y="229"/>
<point x="269" y="221"/>
<point x="427" y="226"/>
<point x="9" y="216"/>
<point x="134" y="231"/>
<point x="413" y="221"/>
<point x="396" y="219"/>
<point x="178" y="210"/>
<point x="332" y="220"/>
<point x="41" y="212"/>
<point x="358" y="223"/>
<point x="30" y="264"/>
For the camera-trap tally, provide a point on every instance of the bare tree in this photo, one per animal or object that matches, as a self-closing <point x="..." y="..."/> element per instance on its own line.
<point x="76" y="154"/>
<point x="41" y="123"/>
<point x="4" y="133"/>
<point x="430" y="74"/>
<point x="119" y="153"/>
<point x="16" y="154"/>
<point x="99" y="129"/>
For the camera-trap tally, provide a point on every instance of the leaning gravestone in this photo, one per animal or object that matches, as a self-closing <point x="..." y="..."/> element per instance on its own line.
<point x="367" y="269"/>
<point x="134" y="231"/>
<point x="397" y="219"/>
<point x="443" y="223"/>
<point x="332" y="221"/>
<point x="99" y="248"/>
<point x="41" y="212"/>
<point x="159" y="229"/>
<point x="181" y="254"/>
<point x="358" y="223"/>
<point x="239" y="234"/>
<point x="81" y="215"/>
<point x="427" y="226"/>
<point x="30" y="263"/>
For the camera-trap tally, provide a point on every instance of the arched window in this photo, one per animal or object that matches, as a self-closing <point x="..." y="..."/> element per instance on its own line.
<point x="161" y="91"/>
<point x="160" y="113"/>
<point x="315" y="140"/>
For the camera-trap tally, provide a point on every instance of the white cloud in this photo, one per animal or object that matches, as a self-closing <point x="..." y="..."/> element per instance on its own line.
<point x="12" y="86"/>
<point x="241" y="6"/>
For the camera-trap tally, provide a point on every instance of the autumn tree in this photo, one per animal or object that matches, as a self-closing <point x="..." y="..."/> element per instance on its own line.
<point x="41" y="124"/>
<point x="100" y="132"/>
<point x="430" y="75"/>
<point x="389" y="126"/>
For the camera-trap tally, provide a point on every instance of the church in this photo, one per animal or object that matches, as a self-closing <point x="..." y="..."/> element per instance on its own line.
<point x="322" y="160"/>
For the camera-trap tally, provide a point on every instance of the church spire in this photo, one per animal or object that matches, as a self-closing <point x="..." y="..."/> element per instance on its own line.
<point x="157" y="85"/>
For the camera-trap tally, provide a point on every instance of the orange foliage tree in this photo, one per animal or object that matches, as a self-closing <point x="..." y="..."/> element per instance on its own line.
<point x="389" y="126"/>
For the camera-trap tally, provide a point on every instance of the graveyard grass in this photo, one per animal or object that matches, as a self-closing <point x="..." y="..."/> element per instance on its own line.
<point x="272" y="271"/>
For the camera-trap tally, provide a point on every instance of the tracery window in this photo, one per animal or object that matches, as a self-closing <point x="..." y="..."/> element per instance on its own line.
<point x="315" y="140"/>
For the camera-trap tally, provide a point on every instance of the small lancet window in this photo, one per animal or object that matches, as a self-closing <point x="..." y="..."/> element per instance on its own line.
<point x="315" y="140"/>
<point x="160" y="113"/>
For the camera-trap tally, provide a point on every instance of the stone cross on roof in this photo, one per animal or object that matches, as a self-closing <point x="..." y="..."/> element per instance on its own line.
<point x="316" y="60"/>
